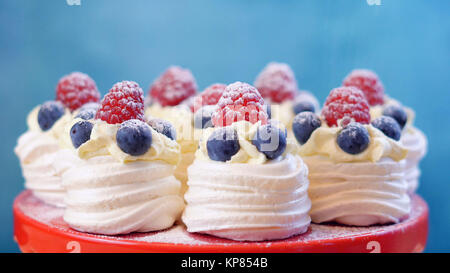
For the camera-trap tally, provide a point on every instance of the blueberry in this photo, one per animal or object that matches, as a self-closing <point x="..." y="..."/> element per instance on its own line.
<point x="270" y="140"/>
<point x="268" y="109"/>
<point x="304" y="124"/>
<point x="202" y="118"/>
<point x="86" y="114"/>
<point x="49" y="113"/>
<point x="134" y="137"/>
<point x="80" y="132"/>
<point x="222" y="144"/>
<point x="303" y="106"/>
<point x="388" y="126"/>
<point x="163" y="127"/>
<point x="353" y="139"/>
<point x="397" y="113"/>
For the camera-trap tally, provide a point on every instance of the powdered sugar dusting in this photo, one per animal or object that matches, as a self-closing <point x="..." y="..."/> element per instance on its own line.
<point x="76" y="89"/>
<point x="368" y="82"/>
<point x="52" y="216"/>
<point x="277" y="82"/>
<point x="174" y="86"/>
<point x="345" y="104"/>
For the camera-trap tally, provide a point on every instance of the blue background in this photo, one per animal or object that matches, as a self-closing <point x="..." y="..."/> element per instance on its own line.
<point x="407" y="42"/>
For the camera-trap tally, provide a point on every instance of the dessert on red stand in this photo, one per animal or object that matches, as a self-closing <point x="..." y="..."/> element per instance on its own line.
<point x="172" y="95"/>
<point x="337" y="183"/>
<point x="382" y="105"/>
<point x="124" y="180"/>
<point x="42" y="149"/>
<point x="356" y="165"/>
<point x="245" y="183"/>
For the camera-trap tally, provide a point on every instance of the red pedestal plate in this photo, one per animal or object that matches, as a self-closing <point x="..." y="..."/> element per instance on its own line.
<point x="39" y="227"/>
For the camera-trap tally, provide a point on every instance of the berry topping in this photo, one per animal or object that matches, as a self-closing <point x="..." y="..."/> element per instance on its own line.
<point x="163" y="127"/>
<point x="202" y="117"/>
<point x="397" y="113"/>
<point x="222" y="144"/>
<point x="344" y="105"/>
<point x="173" y="86"/>
<point x="134" y="137"/>
<point x="91" y="105"/>
<point x="353" y="139"/>
<point x="368" y="82"/>
<point x="86" y="114"/>
<point x="88" y="111"/>
<point x="388" y="126"/>
<point x="303" y="106"/>
<point x="239" y="101"/>
<point x="49" y="113"/>
<point x="270" y="140"/>
<point x="277" y="82"/>
<point x="124" y="101"/>
<point x="81" y="132"/>
<point x="304" y="124"/>
<point x="210" y="96"/>
<point x="76" y="89"/>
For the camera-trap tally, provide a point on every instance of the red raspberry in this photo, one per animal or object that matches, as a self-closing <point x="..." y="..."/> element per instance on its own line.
<point x="277" y="82"/>
<point x="173" y="87"/>
<point x="76" y="89"/>
<point x="124" y="101"/>
<point x="210" y="96"/>
<point x="346" y="104"/>
<point x="239" y="101"/>
<point x="368" y="82"/>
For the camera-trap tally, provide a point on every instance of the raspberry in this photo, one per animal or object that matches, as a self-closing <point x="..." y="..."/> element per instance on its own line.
<point x="344" y="105"/>
<point x="239" y="101"/>
<point x="76" y="89"/>
<point x="368" y="82"/>
<point x="173" y="87"/>
<point x="277" y="82"/>
<point x="210" y="96"/>
<point x="124" y="101"/>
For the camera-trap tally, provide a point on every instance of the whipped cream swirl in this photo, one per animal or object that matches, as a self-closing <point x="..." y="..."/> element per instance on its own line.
<point x="416" y="143"/>
<point x="105" y="196"/>
<point x="181" y="118"/>
<point x="412" y="139"/>
<point x="248" y="202"/>
<point x="357" y="193"/>
<point x="42" y="160"/>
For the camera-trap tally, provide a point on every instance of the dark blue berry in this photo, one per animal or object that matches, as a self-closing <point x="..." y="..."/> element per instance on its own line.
<point x="49" y="113"/>
<point x="303" y="106"/>
<point x="270" y="140"/>
<point x="202" y="118"/>
<point x="353" y="139"/>
<point x="134" y="137"/>
<point x="397" y="113"/>
<point x="86" y="114"/>
<point x="222" y="144"/>
<point x="80" y="132"/>
<point x="304" y="124"/>
<point x="163" y="127"/>
<point x="388" y="126"/>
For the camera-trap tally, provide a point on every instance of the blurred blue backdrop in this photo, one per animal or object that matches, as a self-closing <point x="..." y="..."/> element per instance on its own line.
<point x="406" y="41"/>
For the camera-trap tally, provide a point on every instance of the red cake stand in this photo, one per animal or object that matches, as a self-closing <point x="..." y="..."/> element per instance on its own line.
<point x="39" y="227"/>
